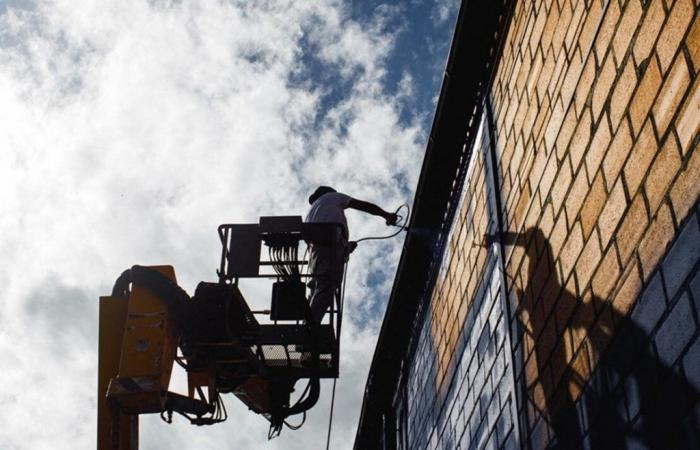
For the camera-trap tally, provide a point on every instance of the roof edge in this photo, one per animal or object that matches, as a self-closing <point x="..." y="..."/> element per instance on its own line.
<point x="470" y="66"/>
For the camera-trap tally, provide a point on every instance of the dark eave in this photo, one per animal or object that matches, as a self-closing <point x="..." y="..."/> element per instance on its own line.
<point x="469" y="69"/>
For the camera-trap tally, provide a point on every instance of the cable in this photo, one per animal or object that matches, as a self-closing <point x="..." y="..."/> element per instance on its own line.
<point x="340" y="322"/>
<point x="330" y="421"/>
<point x="401" y="227"/>
<point x="296" y="427"/>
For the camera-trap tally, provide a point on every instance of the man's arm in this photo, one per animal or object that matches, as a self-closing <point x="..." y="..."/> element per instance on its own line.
<point x="371" y="208"/>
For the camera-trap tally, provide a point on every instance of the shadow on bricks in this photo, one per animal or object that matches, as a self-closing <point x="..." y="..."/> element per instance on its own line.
<point x="590" y="373"/>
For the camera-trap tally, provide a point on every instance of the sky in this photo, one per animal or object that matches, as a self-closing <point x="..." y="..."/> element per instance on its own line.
<point x="130" y="129"/>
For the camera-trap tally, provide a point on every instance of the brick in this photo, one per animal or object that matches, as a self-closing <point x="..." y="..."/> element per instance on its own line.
<point x="507" y="152"/>
<point x="522" y="74"/>
<point x="673" y="31"/>
<point x="629" y="290"/>
<point x="580" y="366"/>
<point x="663" y="170"/>
<point x="534" y="212"/>
<point x="519" y="117"/>
<point x="546" y="223"/>
<point x="562" y="26"/>
<point x="649" y="30"/>
<point x="606" y="275"/>
<point x="538" y="165"/>
<point x="603" y="83"/>
<point x="559" y="233"/>
<point x="650" y="306"/>
<point x="601" y="332"/>
<point x="580" y="323"/>
<point x="692" y="43"/>
<point x="561" y="185"/>
<point x="599" y="144"/>
<point x="606" y="30"/>
<point x="510" y="112"/>
<point x="682" y="257"/>
<point x="521" y="206"/>
<point x="553" y="125"/>
<point x="590" y="26"/>
<point x="573" y="76"/>
<point x="538" y="27"/>
<point x="688" y="121"/>
<point x="576" y="195"/>
<point x="675" y="331"/>
<point x="532" y="110"/>
<point x="542" y="117"/>
<point x="546" y="73"/>
<point x="557" y="73"/>
<point x="632" y="228"/>
<point x="626" y="29"/>
<point x="644" y="96"/>
<point x="572" y="248"/>
<point x="580" y="139"/>
<point x="617" y="154"/>
<point x="695" y="291"/>
<point x="653" y="245"/>
<point x="612" y="212"/>
<point x="550" y="26"/>
<point x="671" y="94"/>
<point x="593" y="205"/>
<point x="691" y="364"/>
<point x="548" y="176"/>
<point x="565" y="132"/>
<point x="588" y="78"/>
<point x="588" y="261"/>
<point x="622" y="93"/>
<point x="634" y="402"/>
<point x="685" y="190"/>
<point x="640" y="158"/>
<point x="573" y="30"/>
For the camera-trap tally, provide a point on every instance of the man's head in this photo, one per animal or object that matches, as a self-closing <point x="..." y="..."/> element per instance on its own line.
<point x="319" y="192"/>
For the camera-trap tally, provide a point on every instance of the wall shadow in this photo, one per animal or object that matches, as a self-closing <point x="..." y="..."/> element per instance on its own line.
<point x="613" y="392"/>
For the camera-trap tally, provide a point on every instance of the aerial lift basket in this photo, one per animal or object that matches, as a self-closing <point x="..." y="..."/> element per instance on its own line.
<point x="223" y="346"/>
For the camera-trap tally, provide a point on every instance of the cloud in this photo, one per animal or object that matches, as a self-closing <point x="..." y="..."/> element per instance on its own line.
<point x="444" y="10"/>
<point x="131" y="130"/>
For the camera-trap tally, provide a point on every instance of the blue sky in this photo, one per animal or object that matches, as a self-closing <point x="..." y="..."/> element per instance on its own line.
<point x="132" y="129"/>
<point x="422" y="32"/>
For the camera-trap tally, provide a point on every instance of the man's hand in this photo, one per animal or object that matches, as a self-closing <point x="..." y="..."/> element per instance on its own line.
<point x="391" y="218"/>
<point x="371" y="208"/>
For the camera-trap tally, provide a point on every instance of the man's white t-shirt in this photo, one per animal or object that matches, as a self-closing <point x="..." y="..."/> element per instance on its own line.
<point x="330" y="207"/>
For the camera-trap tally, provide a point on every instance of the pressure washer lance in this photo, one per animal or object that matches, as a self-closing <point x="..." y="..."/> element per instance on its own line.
<point x="401" y="227"/>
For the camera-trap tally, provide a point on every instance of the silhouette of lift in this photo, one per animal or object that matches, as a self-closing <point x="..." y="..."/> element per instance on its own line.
<point x="223" y="346"/>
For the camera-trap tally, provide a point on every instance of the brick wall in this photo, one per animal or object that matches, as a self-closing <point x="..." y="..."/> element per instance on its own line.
<point x="460" y="389"/>
<point x="596" y="117"/>
<point x="596" y="106"/>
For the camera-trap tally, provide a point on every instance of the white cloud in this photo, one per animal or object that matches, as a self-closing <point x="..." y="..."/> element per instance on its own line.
<point x="444" y="10"/>
<point x="130" y="130"/>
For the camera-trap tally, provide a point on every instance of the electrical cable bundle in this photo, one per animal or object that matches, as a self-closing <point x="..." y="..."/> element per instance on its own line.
<point x="283" y="250"/>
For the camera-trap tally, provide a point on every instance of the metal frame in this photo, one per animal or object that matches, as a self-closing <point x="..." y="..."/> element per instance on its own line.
<point x="288" y="334"/>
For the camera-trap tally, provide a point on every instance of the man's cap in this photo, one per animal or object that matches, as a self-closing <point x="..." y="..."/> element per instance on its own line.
<point x="319" y="192"/>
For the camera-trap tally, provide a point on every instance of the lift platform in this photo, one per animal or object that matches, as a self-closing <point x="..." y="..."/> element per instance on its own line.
<point x="149" y="323"/>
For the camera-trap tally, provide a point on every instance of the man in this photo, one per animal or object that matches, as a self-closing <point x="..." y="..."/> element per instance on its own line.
<point x="326" y="262"/>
